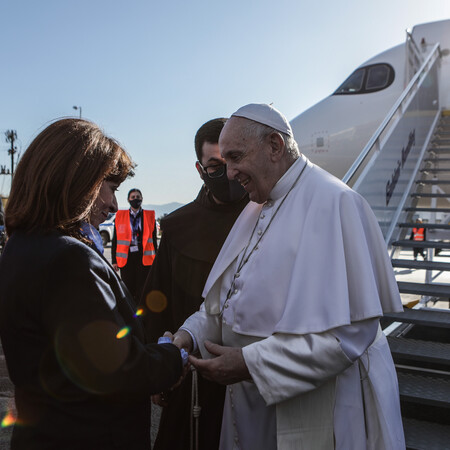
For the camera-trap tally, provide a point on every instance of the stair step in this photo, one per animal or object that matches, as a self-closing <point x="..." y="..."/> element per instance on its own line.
<point x="428" y="289"/>
<point x="433" y="182"/>
<point x="439" y="150"/>
<point x="422" y="435"/>
<point x="421" y="265"/>
<point x="422" y="316"/>
<point x="436" y="160"/>
<point x="435" y="170"/>
<point x="434" y="226"/>
<point x="418" y="350"/>
<point x="409" y="243"/>
<point x="424" y="389"/>
<point x="420" y="195"/>
<point x="444" y="210"/>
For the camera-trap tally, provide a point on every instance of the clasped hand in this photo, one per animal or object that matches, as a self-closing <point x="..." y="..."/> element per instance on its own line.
<point x="162" y="399"/>
<point x="227" y="367"/>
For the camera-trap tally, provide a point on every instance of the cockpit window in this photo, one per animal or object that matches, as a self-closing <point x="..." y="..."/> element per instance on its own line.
<point x="367" y="79"/>
<point x="377" y="77"/>
<point x="353" y="83"/>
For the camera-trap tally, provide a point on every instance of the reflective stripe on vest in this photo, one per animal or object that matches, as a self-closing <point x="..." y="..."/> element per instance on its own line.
<point x="147" y="241"/>
<point x="124" y="234"/>
<point x="418" y="234"/>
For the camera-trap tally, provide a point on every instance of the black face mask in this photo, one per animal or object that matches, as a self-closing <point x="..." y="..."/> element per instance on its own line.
<point x="135" y="203"/>
<point x="225" y="190"/>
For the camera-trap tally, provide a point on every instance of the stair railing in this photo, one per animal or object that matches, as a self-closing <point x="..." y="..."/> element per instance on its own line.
<point x="380" y="180"/>
<point x="414" y="57"/>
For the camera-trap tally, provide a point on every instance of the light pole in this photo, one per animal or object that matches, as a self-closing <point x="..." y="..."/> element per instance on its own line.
<point x="77" y="107"/>
<point x="11" y="136"/>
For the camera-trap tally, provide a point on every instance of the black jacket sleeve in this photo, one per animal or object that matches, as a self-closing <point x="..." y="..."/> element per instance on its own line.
<point x="114" y="246"/>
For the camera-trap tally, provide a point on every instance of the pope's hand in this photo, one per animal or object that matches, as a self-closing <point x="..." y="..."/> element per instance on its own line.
<point x="228" y="367"/>
<point x="182" y="339"/>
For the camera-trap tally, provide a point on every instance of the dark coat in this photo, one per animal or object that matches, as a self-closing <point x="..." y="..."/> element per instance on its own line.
<point x="192" y="237"/>
<point x="78" y="383"/>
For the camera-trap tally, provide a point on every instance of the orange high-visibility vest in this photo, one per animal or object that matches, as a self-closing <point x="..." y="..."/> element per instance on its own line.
<point x="123" y="233"/>
<point x="418" y="234"/>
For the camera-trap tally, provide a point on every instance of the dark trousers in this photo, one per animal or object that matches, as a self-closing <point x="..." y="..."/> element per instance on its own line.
<point x="134" y="274"/>
<point x="420" y="251"/>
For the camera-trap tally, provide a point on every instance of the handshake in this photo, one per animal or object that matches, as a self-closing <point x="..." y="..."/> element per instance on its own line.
<point x="183" y="341"/>
<point x="226" y="367"/>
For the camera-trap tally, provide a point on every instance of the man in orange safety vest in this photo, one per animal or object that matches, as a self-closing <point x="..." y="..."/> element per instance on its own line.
<point x="134" y="243"/>
<point x="419" y="234"/>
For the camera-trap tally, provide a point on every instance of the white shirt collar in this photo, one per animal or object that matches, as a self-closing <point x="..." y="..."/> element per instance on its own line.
<point x="135" y="213"/>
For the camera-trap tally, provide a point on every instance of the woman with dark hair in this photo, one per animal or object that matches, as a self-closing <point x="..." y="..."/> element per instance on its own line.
<point x="72" y="338"/>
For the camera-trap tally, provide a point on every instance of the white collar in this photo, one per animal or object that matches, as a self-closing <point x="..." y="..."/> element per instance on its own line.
<point x="285" y="182"/>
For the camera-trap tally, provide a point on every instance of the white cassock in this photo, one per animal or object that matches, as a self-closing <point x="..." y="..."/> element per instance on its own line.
<point x="305" y="310"/>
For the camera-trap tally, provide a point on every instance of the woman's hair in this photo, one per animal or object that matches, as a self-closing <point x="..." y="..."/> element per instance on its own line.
<point x="60" y="175"/>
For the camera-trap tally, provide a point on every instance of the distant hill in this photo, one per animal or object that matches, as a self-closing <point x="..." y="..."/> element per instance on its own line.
<point x="167" y="208"/>
<point x="159" y="209"/>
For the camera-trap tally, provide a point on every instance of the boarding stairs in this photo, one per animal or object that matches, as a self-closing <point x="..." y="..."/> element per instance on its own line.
<point x="418" y="185"/>
<point x="420" y="343"/>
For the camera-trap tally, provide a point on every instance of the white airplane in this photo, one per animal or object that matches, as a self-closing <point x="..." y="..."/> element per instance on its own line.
<point x="333" y="132"/>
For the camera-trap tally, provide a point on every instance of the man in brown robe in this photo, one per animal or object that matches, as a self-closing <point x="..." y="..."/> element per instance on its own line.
<point x="192" y="237"/>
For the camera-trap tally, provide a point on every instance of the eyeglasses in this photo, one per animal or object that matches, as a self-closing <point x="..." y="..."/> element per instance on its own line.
<point x="215" y="170"/>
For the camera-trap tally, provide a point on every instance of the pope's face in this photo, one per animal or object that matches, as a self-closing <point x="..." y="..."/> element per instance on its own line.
<point x="248" y="160"/>
<point x="104" y="203"/>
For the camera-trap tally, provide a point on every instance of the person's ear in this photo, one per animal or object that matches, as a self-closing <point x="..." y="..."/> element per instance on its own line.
<point x="199" y="169"/>
<point x="277" y="145"/>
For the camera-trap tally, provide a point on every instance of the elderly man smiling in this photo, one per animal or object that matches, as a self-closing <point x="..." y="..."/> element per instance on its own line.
<point x="291" y="315"/>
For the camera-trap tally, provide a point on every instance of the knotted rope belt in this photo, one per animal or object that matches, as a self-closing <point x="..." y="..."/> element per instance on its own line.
<point x="195" y="410"/>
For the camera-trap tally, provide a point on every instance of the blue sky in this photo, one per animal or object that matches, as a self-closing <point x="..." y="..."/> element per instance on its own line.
<point x="150" y="73"/>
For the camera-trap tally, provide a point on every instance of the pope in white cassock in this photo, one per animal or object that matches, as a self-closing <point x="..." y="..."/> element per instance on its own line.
<point x="290" y="320"/>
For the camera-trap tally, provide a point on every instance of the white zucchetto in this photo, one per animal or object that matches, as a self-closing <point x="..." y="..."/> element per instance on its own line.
<point x="265" y="114"/>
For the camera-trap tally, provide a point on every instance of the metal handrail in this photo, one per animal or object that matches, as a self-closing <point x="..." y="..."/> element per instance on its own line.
<point x="376" y="136"/>
<point x="410" y="39"/>
<point x="406" y="192"/>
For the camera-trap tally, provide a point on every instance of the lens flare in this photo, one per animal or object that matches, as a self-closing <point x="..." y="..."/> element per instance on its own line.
<point x="8" y="420"/>
<point x="139" y="312"/>
<point x="156" y="301"/>
<point x="123" y="332"/>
